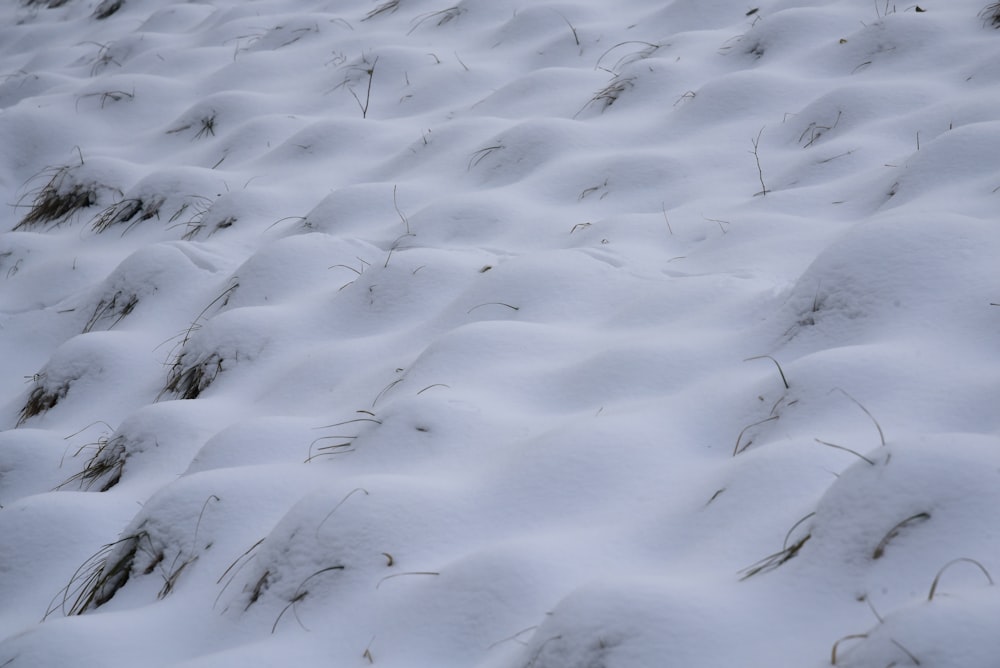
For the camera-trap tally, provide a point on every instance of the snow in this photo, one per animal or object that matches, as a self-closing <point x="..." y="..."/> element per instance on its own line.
<point x="498" y="335"/>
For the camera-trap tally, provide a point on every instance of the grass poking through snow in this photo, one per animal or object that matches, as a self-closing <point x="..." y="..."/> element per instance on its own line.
<point x="62" y="195"/>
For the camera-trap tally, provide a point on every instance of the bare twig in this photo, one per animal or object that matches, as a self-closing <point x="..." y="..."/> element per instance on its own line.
<point x="756" y="155"/>
<point x="368" y="95"/>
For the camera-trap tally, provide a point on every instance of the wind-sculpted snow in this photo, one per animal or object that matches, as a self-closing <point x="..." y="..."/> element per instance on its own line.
<point x="498" y="334"/>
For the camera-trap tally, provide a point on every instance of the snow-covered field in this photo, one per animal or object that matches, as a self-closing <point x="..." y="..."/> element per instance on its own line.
<point x="507" y="334"/>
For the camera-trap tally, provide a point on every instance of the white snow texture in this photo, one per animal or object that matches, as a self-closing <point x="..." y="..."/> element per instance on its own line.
<point x="502" y="334"/>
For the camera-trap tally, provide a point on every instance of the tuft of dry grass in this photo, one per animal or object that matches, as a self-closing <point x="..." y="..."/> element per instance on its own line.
<point x="99" y="577"/>
<point x="116" y="308"/>
<point x="133" y="210"/>
<point x="608" y="95"/>
<point x="47" y="4"/>
<point x="788" y="551"/>
<point x="442" y="17"/>
<point x="62" y="196"/>
<point x="991" y="15"/>
<point x="188" y="381"/>
<point x="773" y="561"/>
<point x="104" y="466"/>
<point x="42" y="398"/>
<point x="205" y="126"/>
<point x="388" y="7"/>
<point x="107" y="8"/>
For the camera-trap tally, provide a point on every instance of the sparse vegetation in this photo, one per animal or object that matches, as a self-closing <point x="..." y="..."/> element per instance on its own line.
<point x="300" y="593"/>
<point x="773" y="561"/>
<point x="572" y="29"/>
<point x="814" y="131"/>
<point x="787" y="552"/>
<point x="881" y="435"/>
<point x="199" y="208"/>
<point x="131" y="210"/>
<point x="632" y="56"/>
<point x="48" y="4"/>
<point x="760" y="170"/>
<point x="363" y="68"/>
<point x="345" y="440"/>
<point x="481" y="154"/>
<point x="388" y="7"/>
<point x="894" y="531"/>
<point x="399" y="575"/>
<point x="42" y="398"/>
<point x="608" y="95"/>
<point x="845" y="449"/>
<point x="99" y="577"/>
<point x="440" y="17"/>
<point x="107" y="8"/>
<point x="836" y="645"/>
<point x="781" y="371"/>
<point x="967" y="560"/>
<point x="205" y="126"/>
<point x="737" y="449"/>
<point x="64" y="193"/>
<point x="554" y="457"/>
<point x="103" y="58"/>
<point x="188" y="379"/>
<point x="104" y="467"/>
<point x="107" y="96"/>
<point x="238" y="564"/>
<point x="991" y="15"/>
<point x="102" y="575"/>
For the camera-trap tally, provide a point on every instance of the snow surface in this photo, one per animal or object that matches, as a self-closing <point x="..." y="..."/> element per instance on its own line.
<point x="406" y="334"/>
